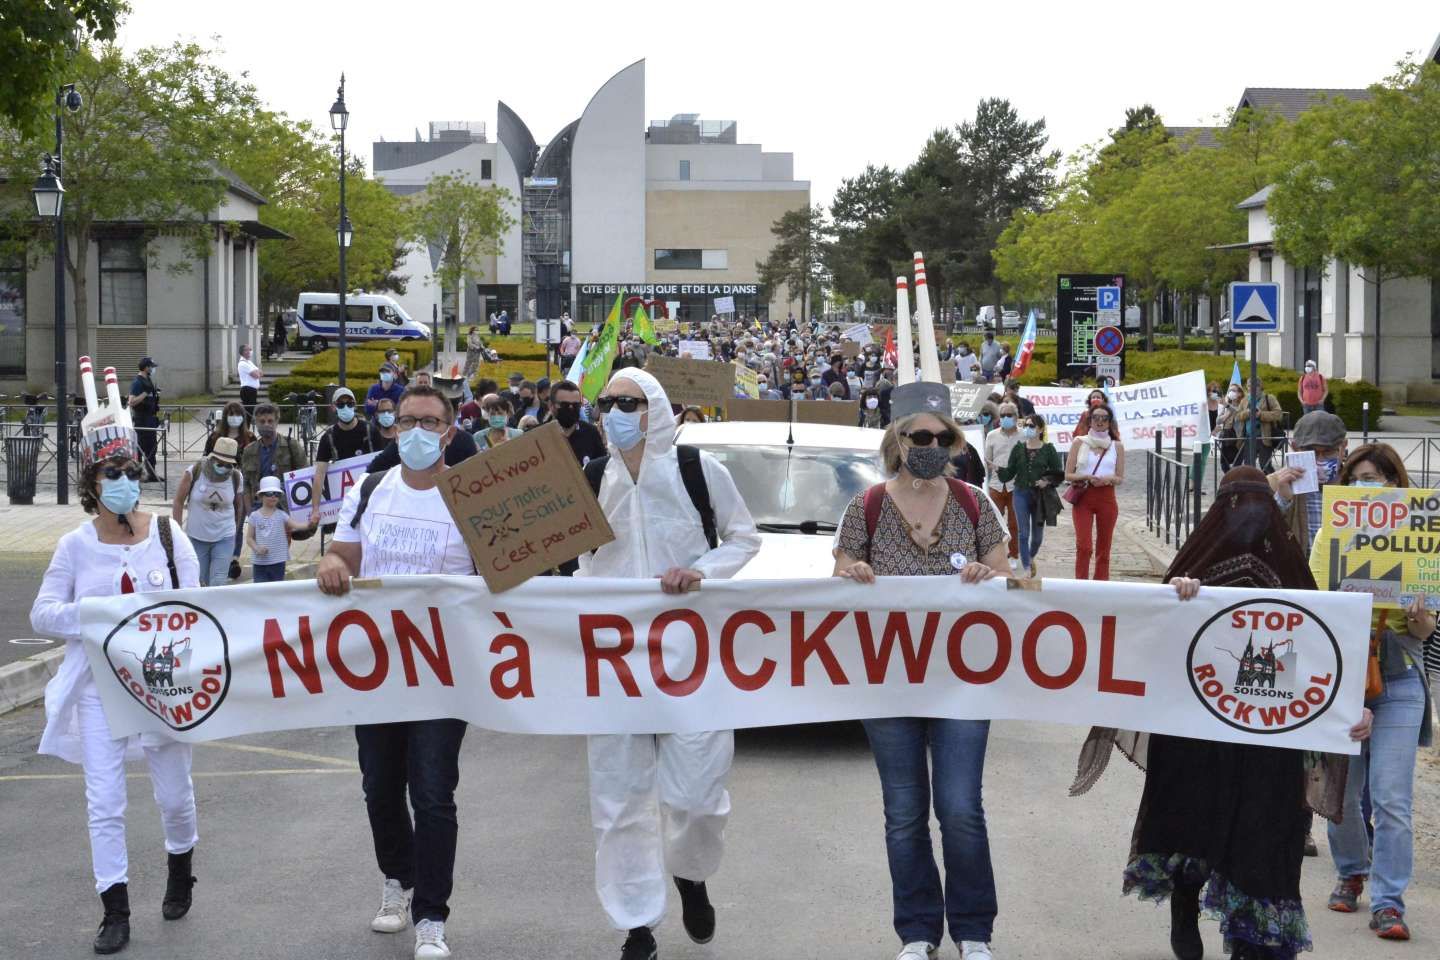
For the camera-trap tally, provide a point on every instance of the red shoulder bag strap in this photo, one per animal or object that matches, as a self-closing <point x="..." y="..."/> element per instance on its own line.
<point x="963" y="495"/>
<point x="874" y="500"/>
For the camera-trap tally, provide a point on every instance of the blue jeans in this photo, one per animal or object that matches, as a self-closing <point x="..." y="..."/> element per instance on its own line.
<point x="957" y="751"/>
<point x="268" y="572"/>
<point x="1394" y="741"/>
<point x="424" y="757"/>
<point x="1029" y="523"/>
<point x="214" y="557"/>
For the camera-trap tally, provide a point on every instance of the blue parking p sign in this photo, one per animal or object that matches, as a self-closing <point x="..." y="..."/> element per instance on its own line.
<point x="1107" y="298"/>
<point x="1254" y="307"/>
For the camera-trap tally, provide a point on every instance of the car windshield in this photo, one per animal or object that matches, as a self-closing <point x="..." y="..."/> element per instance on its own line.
<point x="786" y="487"/>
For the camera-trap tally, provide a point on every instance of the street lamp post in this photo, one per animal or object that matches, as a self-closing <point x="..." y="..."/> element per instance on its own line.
<point x="339" y="120"/>
<point x="49" y="194"/>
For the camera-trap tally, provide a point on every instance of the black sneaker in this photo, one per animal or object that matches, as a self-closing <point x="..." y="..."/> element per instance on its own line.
<point x="1185" y="940"/>
<point x="235" y="568"/>
<point x="696" y="912"/>
<point x="640" y="945"/>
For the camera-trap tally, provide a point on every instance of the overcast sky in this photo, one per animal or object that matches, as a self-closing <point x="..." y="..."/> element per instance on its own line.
<point x="829" y="82"/>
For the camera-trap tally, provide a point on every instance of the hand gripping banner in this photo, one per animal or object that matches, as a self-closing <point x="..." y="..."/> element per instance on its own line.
<point x="575" y="656"/>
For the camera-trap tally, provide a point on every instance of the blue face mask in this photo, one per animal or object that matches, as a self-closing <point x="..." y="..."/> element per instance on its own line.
<point x="120" y="495"/>
<point x="1328" y="470"/>
<point x="1007" y="423"/>
<point x="346" y="414"/>
<point x="1373" y="484"/>
<point x="221" y="469"/>
<point x="419" y="448"/>
<point x="984" y="418"/>
<point x="498" y="421"/>
<point x="385" y="378"/>
<point x="624" y="428"/>
<point x="386" y="418"/>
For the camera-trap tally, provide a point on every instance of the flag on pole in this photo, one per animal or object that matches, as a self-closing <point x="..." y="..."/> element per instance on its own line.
<point x="644" y="329"/>
<point x="597" y="368"/>
<point x="891" y="352"/>
<point x="1027" y="346"/>
<point x="576" y="373"/>
<point x="1235" y="380"/>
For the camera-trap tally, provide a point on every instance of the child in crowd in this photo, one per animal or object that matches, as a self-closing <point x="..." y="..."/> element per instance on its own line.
<point x="268" y="533"/>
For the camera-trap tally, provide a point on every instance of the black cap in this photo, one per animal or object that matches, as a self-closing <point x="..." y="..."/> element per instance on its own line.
<point x="915" y="398"/>
<point x="146" y="362"/>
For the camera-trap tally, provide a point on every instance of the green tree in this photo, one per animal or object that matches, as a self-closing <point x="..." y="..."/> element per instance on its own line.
<point x="940" y="216"/>
<point x="37" y="40"/>
<point x="1363" y="183"/>
<point x="868" y="235"/>
<point x="462" y="222"/>
<point x="142" y="147"/>
<point x="798" y="257"/>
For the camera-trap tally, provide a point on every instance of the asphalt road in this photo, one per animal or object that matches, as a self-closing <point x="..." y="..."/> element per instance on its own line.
<point x="286" y="869"/>
<point x="20" y="575"/>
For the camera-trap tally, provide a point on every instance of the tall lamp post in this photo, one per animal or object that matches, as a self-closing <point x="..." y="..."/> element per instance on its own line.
<point x="49" y="194"/>
<point x="339" y="120"/>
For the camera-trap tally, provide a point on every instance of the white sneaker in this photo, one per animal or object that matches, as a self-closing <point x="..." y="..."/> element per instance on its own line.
<point x="919" y="950"/>
<point x="430" y="940"/>
<point x="975" y="950"/>
<point x="394" y="913"/>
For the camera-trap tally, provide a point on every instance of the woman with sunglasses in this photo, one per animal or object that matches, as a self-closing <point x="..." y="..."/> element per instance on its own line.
<point x="922" y="522"/>
<point x="1034" y="467"/>
<point x="1402" y="725"/>
<point x="121" y="550"/>
<point x="1096" y="466"/>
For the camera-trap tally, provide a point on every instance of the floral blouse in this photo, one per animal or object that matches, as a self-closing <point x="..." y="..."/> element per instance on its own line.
<point x="894" y="553"/>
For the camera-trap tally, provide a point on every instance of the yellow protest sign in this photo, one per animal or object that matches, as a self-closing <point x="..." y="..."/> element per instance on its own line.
<point x="747" y="380"/>
<point x="1384" y="541"/>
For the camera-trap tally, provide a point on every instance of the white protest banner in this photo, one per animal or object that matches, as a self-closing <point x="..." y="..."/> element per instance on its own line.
<point x="1174" y="403"/>
<point x="557" y="655"/>
<point x="340" y="476"/>
<point x="694" y="349"/>
<point x="859" y="332"/>
<point x="724" y="304"/>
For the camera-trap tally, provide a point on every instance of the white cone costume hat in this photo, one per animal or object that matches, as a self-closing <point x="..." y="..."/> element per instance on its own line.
<point x="107" y="431"/>
<point x="904" y="355"/>
<point x="925" y="320"/>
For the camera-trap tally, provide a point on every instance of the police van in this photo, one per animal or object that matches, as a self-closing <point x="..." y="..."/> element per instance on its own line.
<point x="368" y="316"/>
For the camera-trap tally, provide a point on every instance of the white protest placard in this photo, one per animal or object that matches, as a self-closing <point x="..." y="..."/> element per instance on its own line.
<point x="966" y="399"/>
<point x="859" y="332"/>
<point x="1304" y="461"/>
<point x="694" y="349"/>
<point x="1178" y="403"/>
<point x="340" y="477"/>
<point x="557" y="655"/>
<point x="724" y="305"/>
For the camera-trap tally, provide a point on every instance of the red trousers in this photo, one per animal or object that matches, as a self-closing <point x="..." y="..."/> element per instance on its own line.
<point x="1005" y="503"/>
<point x="1098" y="505"/>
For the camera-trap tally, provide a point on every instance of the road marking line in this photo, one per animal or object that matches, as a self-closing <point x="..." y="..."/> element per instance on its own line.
<point x="287" y="754"/>
<point x="279" y="771"/>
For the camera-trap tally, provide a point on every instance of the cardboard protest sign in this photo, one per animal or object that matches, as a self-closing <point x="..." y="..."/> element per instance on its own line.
<point x="747" y="380"/>
<point x="524" y="507"/>
<point x="1384" y="541"/>
<point x="966" y="399"/>
<point x="704" y="383"/>
<point x="845" y="413"/>
<point x="849" y="349"/>
<point x="763" y="411"/>
<point x="340" y="476"/>
<point x="947" y="371"/>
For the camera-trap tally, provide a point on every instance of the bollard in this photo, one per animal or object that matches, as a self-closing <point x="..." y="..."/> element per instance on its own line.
<point x="1365" y="420"/>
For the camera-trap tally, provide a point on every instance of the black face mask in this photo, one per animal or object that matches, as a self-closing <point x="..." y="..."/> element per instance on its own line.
<point x="567" y="417"/>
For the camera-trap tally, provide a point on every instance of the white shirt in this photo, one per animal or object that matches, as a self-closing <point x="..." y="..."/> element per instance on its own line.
<point x="403" y="531"/>
<point x="210" y="511"/>
<point x="85" y="567"/>
<point x="998" y="445"/>
<point x="1087" y="461"/>
<point x="249" y="374"/>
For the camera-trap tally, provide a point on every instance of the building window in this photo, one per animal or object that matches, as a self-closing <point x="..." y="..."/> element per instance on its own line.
<point x="122" y="282"/>
<point x="12" y="318"/>
<point x="486" y="171"/>
<point x="715" y="259"/>
<point x="678" y="259"/>
<point x="684" y="169"/>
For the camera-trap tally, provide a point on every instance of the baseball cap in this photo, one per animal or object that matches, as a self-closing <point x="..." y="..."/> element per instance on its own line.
<point x="146" y="362"/>
<point x="342" y="393"/>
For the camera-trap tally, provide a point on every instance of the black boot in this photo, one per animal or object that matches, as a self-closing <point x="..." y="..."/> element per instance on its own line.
<point x="696" y="912"/>
<point x="114" y="932"/>
<point x="177" y="887"/>
<point x="1185" y="922"/>
<point x="640" y="945"/>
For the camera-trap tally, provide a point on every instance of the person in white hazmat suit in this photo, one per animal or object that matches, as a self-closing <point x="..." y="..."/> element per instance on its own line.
<point x="658" y="802"/>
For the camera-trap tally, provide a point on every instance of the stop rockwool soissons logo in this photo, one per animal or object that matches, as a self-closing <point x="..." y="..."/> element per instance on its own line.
<point x="174" y="659"/>
<point x="1265" y="666"/>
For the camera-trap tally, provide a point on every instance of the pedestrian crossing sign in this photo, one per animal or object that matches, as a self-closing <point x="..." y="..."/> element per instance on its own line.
<point x="1254" y="307"/>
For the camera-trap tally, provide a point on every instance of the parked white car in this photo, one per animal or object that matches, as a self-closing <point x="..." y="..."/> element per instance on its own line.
<point x="1010" y="320"/>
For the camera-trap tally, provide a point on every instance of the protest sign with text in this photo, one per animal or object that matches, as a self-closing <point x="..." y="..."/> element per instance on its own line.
<point x="694" y="349"/>
<point x="590" y="656"/>
<point x="340" y="476"/>
<point x="704" y="383"/>
<point x="1141" y="409"/>
<point x="1384" y="541"/>
<point x="524" y="507"/>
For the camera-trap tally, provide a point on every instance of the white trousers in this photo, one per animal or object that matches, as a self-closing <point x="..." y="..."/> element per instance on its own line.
<point x="659" y="806"/>
<point x="105" y="796"/>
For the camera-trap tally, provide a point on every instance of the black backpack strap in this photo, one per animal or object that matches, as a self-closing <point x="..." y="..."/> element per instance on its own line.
<point x="167" y="541"/>
<point x="692" y="474"/>
<point x="595" y="472"/>
<point x="367" y="487"/>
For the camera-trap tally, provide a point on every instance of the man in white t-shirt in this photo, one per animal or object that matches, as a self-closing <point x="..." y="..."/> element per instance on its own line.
<point x="396" y="523"/>
<point x="250" y="376"/>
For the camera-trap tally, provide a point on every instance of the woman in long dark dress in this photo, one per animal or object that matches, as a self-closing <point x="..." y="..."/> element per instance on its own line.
<point x="1224" y="819"/>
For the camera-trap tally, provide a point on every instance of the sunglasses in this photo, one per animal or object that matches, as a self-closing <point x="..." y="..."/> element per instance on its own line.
<point x="568" y="405"/>
<point x="924" y="438"/>
<point x="129" y="471"/>
<point x="342" y="404"/>
<point x="626" y="404"/>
